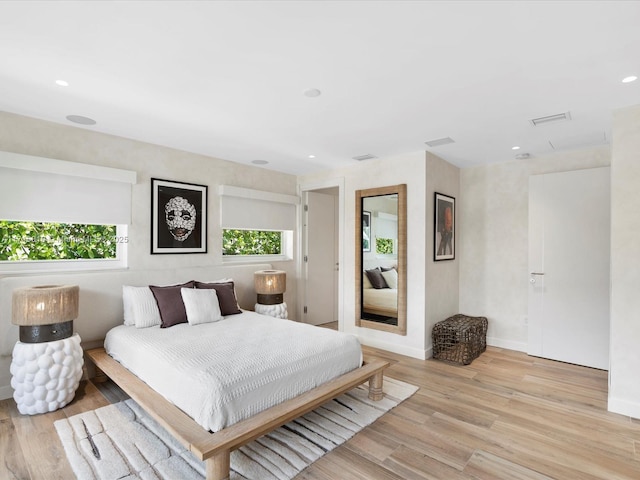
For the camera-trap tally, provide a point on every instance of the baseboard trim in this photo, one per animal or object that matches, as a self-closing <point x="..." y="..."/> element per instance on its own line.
<point x="508" y="344"/>
<point x="6" y="392"/>
<point x="428" y="353"/>
<point x="624" y="407"/>
<point x="394" y="348"/>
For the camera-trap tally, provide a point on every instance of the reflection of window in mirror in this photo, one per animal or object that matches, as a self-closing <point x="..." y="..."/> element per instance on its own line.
<point x="381" y="269"/>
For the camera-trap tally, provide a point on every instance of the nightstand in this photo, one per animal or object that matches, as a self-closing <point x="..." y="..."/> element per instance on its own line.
<point x="47" y="362"/>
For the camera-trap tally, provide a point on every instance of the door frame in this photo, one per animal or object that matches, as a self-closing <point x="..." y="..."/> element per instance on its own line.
<point x="537" y="266"/>
<point x="301" y="291"/>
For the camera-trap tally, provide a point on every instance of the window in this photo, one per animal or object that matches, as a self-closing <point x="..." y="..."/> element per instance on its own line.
<point x="384" y="246"/>
<point x="24" y="241"/>
<point x="48" y="246"/>
<point x="256" y="223"/>
<point x="59" y="215"/>
<point x="252" y="242"/>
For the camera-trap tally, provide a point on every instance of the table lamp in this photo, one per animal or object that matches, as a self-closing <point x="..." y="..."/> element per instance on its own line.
<point x="47" y="361"/>
<point x="270" y="286"/>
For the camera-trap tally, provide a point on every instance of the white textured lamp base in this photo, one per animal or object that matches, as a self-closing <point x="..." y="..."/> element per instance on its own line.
<point x="45" y="376"/>
<point x="278" y="310"/>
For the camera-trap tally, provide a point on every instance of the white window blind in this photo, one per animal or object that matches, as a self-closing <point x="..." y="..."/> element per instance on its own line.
<point x="243" y="208"/>
<point x="46" y="190"/>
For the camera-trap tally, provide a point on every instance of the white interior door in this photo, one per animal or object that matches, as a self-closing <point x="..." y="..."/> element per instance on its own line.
<point x="569" y="243"/>
<point x="321" y="258"/>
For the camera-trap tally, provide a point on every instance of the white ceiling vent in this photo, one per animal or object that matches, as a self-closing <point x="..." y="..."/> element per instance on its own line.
<point x="366" y="156"/>
<point x="579" y="141"/>
<point x="558" y="117"/>
<point x="440" y="141"/>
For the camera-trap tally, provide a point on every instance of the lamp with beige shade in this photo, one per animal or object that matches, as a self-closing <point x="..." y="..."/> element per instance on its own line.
<point x="47" y="361"/>
<point x="270" y="286"/>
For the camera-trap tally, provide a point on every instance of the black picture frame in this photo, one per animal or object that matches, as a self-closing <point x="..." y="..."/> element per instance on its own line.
<point x="174" y="228"/>
<point x="444" y="227"/>
<point x="366" y="231"/>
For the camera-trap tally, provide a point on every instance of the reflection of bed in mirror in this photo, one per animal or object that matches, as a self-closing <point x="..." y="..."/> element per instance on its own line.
<point x="382" y="302"/>
<point x="380" y="241"/>
<point x="380" y="293"/>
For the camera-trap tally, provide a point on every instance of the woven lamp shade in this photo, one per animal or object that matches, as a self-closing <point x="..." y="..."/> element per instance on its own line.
<point x="269" y="282"/>
<point x="44" y="305"/>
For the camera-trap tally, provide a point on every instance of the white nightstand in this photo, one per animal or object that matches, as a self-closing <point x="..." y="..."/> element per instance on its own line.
<point x="279" y="310"/>
<point x="47" y="362"/>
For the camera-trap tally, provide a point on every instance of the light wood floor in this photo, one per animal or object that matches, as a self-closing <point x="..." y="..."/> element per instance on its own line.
<point x="505" y="416"/>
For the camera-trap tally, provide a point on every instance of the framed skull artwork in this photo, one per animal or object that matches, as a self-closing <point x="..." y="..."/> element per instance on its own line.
<point x="178" y="217"/>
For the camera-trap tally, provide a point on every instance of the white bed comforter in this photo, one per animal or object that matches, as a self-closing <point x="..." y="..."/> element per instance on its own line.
<point x="223" y="372"/>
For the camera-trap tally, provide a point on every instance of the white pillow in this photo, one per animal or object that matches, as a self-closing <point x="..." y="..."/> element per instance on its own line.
<point x="140" y="307"/>
<point x="366" y="283"/>
<point x="201" y="305"/>
<point x="391" y="277"/>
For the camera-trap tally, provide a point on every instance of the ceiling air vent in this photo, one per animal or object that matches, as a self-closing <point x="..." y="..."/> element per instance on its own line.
<point x="366" y="156"/>
<point x="440" y="141"/>
<point x="559" y="117"/>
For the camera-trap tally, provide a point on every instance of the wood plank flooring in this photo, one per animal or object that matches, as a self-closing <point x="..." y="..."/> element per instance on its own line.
<point x="505" y="416"/>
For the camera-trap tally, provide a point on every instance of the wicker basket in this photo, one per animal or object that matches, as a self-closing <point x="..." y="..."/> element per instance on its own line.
<point x="460" y="338"/>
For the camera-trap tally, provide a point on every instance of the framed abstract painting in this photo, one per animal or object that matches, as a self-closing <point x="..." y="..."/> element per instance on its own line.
<point x="444" y="228"/>
<point x="178" y="217"/>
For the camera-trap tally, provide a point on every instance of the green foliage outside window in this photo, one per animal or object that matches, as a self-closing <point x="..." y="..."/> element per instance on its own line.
<point x="251" y="242"/>
<point x="384" y="246"/>
<point x="57" y="241"/>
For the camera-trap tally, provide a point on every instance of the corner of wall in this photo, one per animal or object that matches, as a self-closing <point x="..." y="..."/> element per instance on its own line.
<point x="624" y="388"/>
<point x="442" y="278"/>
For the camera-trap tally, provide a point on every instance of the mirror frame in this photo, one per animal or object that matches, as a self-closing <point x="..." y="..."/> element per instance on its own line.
<point x="401" y="191"/>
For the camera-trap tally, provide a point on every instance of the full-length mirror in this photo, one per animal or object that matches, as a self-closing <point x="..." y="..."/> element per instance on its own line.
<point x="381" y="258"/>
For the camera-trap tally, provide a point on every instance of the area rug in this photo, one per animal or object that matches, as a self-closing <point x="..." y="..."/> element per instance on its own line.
<point x="122" y="442"/>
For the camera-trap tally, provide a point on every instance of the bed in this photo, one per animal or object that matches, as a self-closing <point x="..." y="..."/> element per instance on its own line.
<point x="380" y="301"/>
<point x="380" y="291"/>
<point x="219" y="385"/>
<point x="222" y="372"/>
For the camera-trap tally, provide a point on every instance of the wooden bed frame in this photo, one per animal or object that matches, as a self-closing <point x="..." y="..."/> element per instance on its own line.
<point x="215" y="448"/>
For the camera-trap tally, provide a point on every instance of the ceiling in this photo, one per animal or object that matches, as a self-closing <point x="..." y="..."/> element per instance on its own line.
<point x="228" y="79"/>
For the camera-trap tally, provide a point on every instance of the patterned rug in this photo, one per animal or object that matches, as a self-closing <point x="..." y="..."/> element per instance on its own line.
<point x="122" y="442"/>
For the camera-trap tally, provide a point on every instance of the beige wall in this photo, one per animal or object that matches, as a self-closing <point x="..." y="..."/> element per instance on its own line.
<point x="44" y="139"/>
<point x="442" y="277"/>
<point x="409" y="169"/>
<point x="35" y="137"/>
<point x="624" y="386"/>
<point x="493" y="239"/>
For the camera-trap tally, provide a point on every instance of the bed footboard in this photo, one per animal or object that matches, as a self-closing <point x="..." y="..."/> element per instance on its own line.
<point x="215" y="448"/>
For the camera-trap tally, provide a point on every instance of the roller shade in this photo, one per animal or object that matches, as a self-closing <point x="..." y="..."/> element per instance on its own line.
<point x="46" y="190"/>
<point x="243" y="208"/>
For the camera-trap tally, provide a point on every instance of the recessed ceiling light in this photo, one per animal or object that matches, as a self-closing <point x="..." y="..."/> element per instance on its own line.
<point x="81" y="120"/>
<point x="515" y="148"/>
<point x="312" y="156"/>
<point x="629" y="79"/>
<point x="62" y="83"/>
<point x="259" y="162"/>
<point x="312" y="92"/>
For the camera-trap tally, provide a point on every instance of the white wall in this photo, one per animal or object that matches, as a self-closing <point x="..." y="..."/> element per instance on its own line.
<point x="624" y="386"/>
<point x="442" y="277"/>
<point x="493" y="240"/>
<point x="35" y="137"/>
<point x="409" y="169"/>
